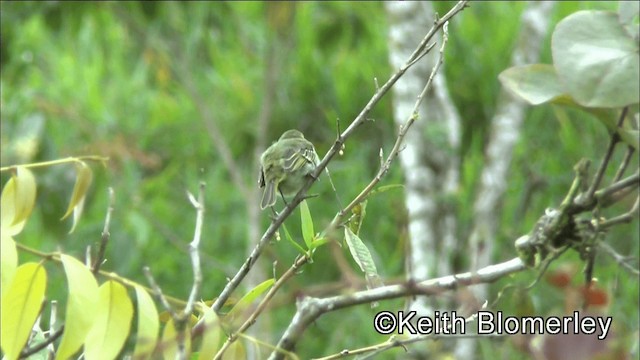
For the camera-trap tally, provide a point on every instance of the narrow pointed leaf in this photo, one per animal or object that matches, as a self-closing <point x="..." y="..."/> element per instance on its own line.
<point x="148" y="325"/>
<point x="112" y="322"/>
<point x="84" y="176"/>
<point x="290" y="239"/>
<point x="244" y="303"/>
<point x="319" y="242"/>
<point x="81" y="304"/>
<point x="21" y="305"/>
<point x="307" y="223"/>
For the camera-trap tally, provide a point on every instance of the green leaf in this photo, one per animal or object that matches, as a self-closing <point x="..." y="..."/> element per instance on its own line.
<point x="244" y="303"/>
<point x="535" y="83"/>
<point x="319" y="242"/>
<point x="307" y="224"/>
<point x="596" y="59"/>
<point x="385" y="188"/>
<point x="80" y="310"/>
<point x="21" y="305"/>
<point x="112" y="322"/>
<point x="362" y="257"/>
<point x="290" y="239"/>
<point x="148" y="325"/>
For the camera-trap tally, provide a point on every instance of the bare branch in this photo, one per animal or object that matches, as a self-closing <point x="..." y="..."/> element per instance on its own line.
<point x="194" y="249"/>
<point x="309" y="309"/>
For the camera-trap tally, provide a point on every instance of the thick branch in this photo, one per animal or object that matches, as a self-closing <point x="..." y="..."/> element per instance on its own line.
<point x="310" y="309"/>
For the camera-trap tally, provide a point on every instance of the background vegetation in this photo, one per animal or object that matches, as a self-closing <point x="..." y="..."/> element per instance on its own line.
<point x="108" y="78"/>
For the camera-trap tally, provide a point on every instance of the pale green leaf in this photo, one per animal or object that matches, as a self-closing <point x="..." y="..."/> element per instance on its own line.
<point x="148" y="325"/>
<point x="112" y="322"/>
<point x="596" y="59"/>
<point x="81" y="303"/>
<point x="21" y="305"/>
<point x="534" y="83"/>
<point x="362" y="257"/>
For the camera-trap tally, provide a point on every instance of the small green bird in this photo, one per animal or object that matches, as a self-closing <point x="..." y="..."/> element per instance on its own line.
<point x="285" y="165"/>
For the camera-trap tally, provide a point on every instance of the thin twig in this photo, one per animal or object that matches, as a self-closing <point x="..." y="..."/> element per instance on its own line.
<point x="621" y="219"/>
<point x="194" y="249"/>
<point x="32" y="350"/>
<point x="104" y="238"/>
<point x="613" y="140"/>
<point x="621" y="260"/>
<point x="624" y="164"/>
<point x="619" y="185"/>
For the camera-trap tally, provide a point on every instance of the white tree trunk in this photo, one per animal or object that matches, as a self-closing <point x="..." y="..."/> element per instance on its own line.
<point x="429" y="158"/>
<point x="505" y="131"/>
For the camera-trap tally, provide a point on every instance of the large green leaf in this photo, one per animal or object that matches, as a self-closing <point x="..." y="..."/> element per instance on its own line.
<point x="596" y="59"/>
<point x="534" y="83"/>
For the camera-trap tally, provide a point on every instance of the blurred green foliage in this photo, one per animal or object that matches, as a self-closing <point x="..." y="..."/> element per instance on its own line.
<point x="117" y="79"/>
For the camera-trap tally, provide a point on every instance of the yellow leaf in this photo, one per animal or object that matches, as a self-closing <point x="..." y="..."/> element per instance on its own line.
<point x="81" y="305"/>
<point x="21" y="305"/>
<point x="170" y="341"/>
<point x="18" y="199"/>
<point x="148" y="325"/>
<point x="112" y="322"/>
<point x="25" y="194"/>
<point x="211" y="335"/>
<point x="84" y="176"/>
<point x="9" y="261"/>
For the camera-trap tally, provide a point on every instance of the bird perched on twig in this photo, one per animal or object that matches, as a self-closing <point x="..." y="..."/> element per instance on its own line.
<point x="285" y="165"/>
